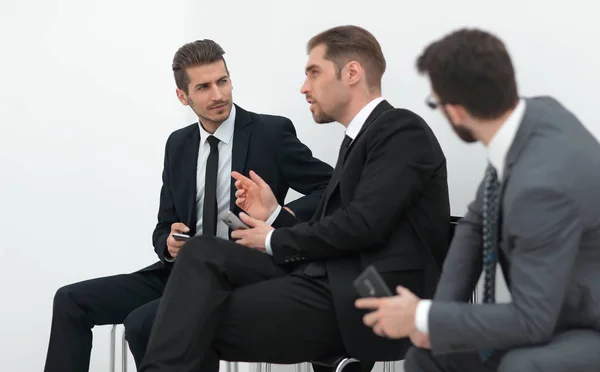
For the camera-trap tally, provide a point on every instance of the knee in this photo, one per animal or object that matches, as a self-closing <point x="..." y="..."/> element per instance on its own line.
<point x="138" y="326"/>
<point x="520" y="360"/>
<point x="65" y="297"/>
<point x="199" y="247"/>
<point x="414" y="359"/>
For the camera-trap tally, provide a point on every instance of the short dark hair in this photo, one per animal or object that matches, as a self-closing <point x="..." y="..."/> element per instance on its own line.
<point x="471" y="68"/>
<point x="346" y="43"/>
<point x="196" y="53"/>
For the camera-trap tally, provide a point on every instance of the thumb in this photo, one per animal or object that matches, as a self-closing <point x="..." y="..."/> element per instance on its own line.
<point x="403" y="291"/>
<point x="251" y="222"/>
<point x="178" y="226"/>
<point x="258" y="180"/>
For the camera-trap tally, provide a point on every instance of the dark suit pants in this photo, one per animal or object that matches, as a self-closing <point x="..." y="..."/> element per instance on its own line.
<point x="110" y="300"/>
<point x="224" y="301"/>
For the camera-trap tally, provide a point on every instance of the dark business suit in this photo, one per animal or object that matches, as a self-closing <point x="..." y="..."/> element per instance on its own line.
<point x="263" y="143"/>
<point x="387" y="205"/>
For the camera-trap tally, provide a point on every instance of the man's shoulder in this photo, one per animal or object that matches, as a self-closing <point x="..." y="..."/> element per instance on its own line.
<point x="181" y="133"/>
<point x="268" y="121"/>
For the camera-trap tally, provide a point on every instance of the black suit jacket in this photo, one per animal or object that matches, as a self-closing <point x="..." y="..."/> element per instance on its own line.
<point x="390" y="208"/>
<point x="266" y="144"/>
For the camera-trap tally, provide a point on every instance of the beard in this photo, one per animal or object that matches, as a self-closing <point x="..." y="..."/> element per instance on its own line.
<point x="463" y="133"/>
<point x="322" y="118"/>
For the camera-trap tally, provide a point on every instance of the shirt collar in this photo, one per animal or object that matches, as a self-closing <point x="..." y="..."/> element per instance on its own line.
<point x="359" y="120"/>
<point x="498" y="147"/>
<point x="224" y="132"/>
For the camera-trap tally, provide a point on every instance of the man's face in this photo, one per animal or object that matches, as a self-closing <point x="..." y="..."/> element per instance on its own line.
<point x="461" y="131"/>
<point x="326" y="93"/>
<point x="209" y="92"/>
<point x="454" y="114"/>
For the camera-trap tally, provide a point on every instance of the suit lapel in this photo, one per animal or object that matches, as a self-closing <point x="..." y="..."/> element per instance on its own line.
<point x="335" y="179"/>
<point x="241" y="141"/>
<point x="189" y="171"/>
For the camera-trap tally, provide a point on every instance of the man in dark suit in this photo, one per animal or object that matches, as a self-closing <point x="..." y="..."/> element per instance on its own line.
<point x="197" y="186"/>
<point x="535" y="214"/>
<point x="285" y="295"/>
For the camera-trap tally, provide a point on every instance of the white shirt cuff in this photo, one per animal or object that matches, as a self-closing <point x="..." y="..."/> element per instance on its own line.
<point x="268" y="243"/>
<point x="422" y="316"/>
<point x="274" y="215"/>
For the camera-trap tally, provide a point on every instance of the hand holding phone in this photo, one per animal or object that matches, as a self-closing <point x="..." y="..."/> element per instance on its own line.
<point x="232" y="221"/>
<point x="177" y="238"/>
<point x="370" y="284"/>
<point x="181" y="237"/>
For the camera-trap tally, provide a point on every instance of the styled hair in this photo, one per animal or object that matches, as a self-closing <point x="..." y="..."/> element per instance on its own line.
<point x="471" y="68"/>
<point x="196" y="53"/>
<point x="347" y="43"/>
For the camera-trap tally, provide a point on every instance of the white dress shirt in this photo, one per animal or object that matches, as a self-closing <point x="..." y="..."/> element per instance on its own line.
<point x="497" y="150"/>
<point x="351" y="131"/>
<point x="225" y="135"/>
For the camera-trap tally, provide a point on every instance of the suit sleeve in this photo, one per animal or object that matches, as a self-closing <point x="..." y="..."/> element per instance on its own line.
<point x="166" y="212"/>
<point x="463" y="264"/>
<point x="400" y="160"/>
<point x="545" y="232"/>
<point x="302" y="172"/>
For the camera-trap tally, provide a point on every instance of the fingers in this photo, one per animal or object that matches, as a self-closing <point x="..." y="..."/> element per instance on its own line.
<point x="289" y="210"/>
<point x="256" y="178"/>
<point x="179" y="227"/>
<point x="243" y="180"/>
<point x="371" y="318"/>
<point x="368" y="303"/>
<point x="240" y="193"/>
<point x="252" y="222"/>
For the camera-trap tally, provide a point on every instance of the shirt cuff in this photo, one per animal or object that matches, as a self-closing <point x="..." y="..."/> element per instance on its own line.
<point x="271" y="219"/>
<point x="268" y="243"/>
<point x="422" y="316"/>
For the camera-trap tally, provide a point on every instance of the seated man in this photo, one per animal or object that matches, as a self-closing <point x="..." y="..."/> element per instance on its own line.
<point x="285" y="295"/>
<point x="536" y="215"/>
<point x="197" y="186"/>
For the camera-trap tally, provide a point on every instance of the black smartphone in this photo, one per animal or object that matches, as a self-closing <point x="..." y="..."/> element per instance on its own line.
<point x="370" y="284"/>
<point x="180" y="237"/>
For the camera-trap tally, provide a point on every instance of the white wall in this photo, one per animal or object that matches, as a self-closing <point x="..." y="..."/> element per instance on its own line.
<point x="87" y="101"/>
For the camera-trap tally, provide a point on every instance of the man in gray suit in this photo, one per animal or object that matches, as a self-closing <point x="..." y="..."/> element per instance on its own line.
<point x="536" y="213"/>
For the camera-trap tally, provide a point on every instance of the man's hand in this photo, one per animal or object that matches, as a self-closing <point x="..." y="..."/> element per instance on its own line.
<point x="253" y="237"/>
<point x="173" y="245"/>
<point x="420" y="340"/>
<point x="394" y="317"/>
<point x="254" y="195"/>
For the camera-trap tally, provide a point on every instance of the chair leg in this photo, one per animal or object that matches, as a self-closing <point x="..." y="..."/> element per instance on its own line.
<point x="389" y="366"/>
<point x="124" y="351"/>
<point x="113" y="347"/>
<point x="340" y="367"/>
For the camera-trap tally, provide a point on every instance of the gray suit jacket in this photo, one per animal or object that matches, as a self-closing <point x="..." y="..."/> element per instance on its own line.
<point x="550" y="239"/>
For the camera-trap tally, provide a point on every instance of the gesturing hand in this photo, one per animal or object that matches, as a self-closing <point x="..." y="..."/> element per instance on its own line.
<point x="254" y="195"/>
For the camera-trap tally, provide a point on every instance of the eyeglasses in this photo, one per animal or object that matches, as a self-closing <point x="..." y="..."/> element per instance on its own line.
<point x="432" y="102"/>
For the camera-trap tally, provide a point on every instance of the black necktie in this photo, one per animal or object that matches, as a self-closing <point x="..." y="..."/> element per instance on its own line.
<point x="491" y="209"/>
<point x="337" y="171"/>
<point x="209" y="212"/>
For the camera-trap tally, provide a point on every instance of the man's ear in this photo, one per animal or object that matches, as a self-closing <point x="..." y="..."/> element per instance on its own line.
<point x="456" y="113"/>
<point x="181" y="96"/>
<point x="352" y="72"/>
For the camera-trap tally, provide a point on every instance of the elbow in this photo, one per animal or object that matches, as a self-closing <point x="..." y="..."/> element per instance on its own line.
<point x="537" y="331"/>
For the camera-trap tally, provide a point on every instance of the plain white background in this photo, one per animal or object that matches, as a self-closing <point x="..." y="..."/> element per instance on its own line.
<point x="87" y="100"/>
